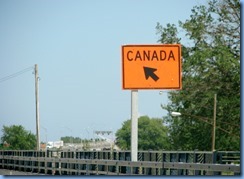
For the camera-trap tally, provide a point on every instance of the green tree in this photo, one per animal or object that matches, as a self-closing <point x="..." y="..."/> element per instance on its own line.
<point x="67" y="139"/>
<point x="18" y="138"/>
<point x="152" y="134"/>
<point x="211" y="65"/>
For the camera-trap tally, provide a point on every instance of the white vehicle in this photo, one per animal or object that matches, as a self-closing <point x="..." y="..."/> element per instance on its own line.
<point x="55" y="144"/>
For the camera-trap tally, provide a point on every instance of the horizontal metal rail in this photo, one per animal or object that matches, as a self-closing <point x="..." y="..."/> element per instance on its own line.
<point x="218" y="157"/>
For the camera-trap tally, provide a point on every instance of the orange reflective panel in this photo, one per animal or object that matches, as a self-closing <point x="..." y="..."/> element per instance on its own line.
<point x="151" y="66"/>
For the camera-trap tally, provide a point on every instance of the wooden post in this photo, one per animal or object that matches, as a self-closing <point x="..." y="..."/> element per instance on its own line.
<point x="214" y="123"/>
<point x="37" y="108"/>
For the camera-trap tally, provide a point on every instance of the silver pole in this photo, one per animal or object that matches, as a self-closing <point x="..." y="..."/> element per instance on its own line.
<point x="134" y="124"/>
<point x="37" y="109"/>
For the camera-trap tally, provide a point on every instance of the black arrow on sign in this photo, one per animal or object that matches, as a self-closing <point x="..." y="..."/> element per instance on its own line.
<point x="149" y="72"/>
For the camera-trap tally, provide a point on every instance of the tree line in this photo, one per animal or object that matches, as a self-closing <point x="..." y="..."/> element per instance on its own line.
<point x="78" y="140"/>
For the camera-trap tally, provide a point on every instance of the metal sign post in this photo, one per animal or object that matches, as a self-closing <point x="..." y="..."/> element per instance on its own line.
<point x="134" y="125"/>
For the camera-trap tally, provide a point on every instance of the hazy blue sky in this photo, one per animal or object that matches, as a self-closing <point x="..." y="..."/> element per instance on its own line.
<point x="77" y="46"/>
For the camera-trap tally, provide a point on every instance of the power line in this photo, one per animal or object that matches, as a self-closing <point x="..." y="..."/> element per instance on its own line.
<point x="16" y="74"/>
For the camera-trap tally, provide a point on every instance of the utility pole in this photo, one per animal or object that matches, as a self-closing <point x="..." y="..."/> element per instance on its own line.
<point x="37" y="108"/>
<point x="214" y="123"/>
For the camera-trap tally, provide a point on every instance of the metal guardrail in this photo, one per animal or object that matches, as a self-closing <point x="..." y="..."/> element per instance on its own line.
<point x="228" y="157"/>
<point x="74" y="163"/>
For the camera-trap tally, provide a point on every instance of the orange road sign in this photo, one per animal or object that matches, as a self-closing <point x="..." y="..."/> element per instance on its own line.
<point x="151" y="66"/>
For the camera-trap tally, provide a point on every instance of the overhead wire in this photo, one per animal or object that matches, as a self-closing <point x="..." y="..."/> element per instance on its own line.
<point x="16" y="74"/>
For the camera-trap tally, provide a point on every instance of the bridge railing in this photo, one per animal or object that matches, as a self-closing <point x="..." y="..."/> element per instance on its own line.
<point x="118" y="163"/>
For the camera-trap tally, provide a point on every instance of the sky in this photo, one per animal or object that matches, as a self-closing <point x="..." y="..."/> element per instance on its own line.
<point x="77" y="46"/>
